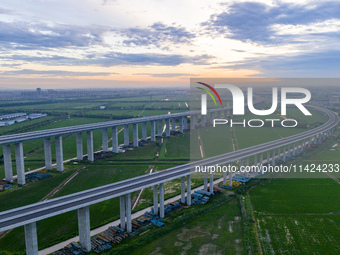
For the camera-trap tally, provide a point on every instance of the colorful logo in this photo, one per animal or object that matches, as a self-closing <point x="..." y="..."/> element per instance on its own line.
<point x="209" y="93"/>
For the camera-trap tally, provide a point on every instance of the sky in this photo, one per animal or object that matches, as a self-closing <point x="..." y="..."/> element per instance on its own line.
<point x="157" y="43"/>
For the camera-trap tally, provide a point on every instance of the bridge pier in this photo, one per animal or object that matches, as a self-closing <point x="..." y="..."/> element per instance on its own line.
<point x="189" y="189"/>
<point x="219" y="114"/>
<point x="8" y="162"/>
<point x="167" y="128"/>
<point x="144" y="132"/>
<point x="181" y="124"/>
<point x="135" y="135"/>
<point x="173" y="124"/>
<point x="19" y="159"/>
<point x="84" y="228"/>
<point x="126" y="135"/>
<point x="79" y="142"/>
<point x="230" y="177"/>
<point x="122" y="211"/>
<point x="273" y="158"/>
<point x="183" y="189"/>
<point x="224" y="177"/>
<point x="193" y="121"/>
<point x="211" y="118"/>
<point x="226" y="114"/>
<point x="48" y="153"/>
<point x="31" y="239"/>
<point x="203" y="120"/>
<point x="105" y="140"/>
<point x="255" y="160"/>
<point x="205" y="181"/>
<point x="128" y="213"/>
<point x="161" y="200"/>
<point x="159" y="127"/>
<point x="90" y="152"/>
<point x="114" y="139"/>
<point x="211" y="185"/>
<point x="153" y="131"/>
<point x="155" y="199"/>
<point x="185" y="123"/>
<point x="268" y="156"/>
<point x="59" y="153"/>
<point x="261" y="162"/>
<point x="279" y="153"/>
<point x="284" y="153"/>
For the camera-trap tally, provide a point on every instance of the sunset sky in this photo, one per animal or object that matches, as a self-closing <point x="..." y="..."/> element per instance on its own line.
<point x="109" y="43"/>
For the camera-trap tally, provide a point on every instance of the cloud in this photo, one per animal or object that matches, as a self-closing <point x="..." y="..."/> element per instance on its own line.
<point x="52" y="73"/>
<point x="166" y="75"/>
<point x="115" y="59"/>
<point x="156" y="35"/>
<point x="256" y="21"/>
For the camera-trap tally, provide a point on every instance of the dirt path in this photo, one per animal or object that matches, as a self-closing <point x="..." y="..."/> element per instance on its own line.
<point x="255" y="227"/>
<point x="333" y="177"/>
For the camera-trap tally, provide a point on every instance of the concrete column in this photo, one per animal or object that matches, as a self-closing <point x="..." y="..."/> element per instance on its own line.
<point x="261" y="161"/>
<point x="114" y="140"/>
<point x="155" y="199"/>
<point x="268" y="156"/>
<point x="135" y="135"/>
<point x="315" y="138"/>
<point x="211" y="185"/>
<point x="183" y="189"/>
<point x="181" y="124"/>
<point x="203" y="120"/>
<point x="173" y="124"/>
<point x="84" y="228"/>
<point x="90" y="152"/>
<point x="189" y="189"/>
<point x="273" y="158"/>
<point x="126" y="135"/>
<point x="105" y="140"/>
<point x="19" y="159"/>
<point x="247" y="161"/>
<point x="205" y="181"/>
<point x="153" y="131"/>
<point x="284" y="153"/>
<point x="79" y="142"/>
<point x="59" y="153"/>
<point x="185" y="122"/>
<point x="225" y="177"/>
<point x="160" y="127"/>
<point x="294" y="148"/>
<point x="279" y="153"/>
<point x="255" y="160"/>
<point x="226" y="114"/>
<point x="219" y="114"/>
<point x="161" y="200"/>
<point x="144" y="132"/>
<point x="310" y="142"/>
<point x="212" y="117"/>
<point x="167" y="129"/>
<point x="8" y="162"/>
<point x="31" y="239"/>
<point x="122" y="211"/>
<point x="193" y="121"/>
<point x="230" y="177"/>
<point x="128" y="213"/>
<point x="48" y="153"/>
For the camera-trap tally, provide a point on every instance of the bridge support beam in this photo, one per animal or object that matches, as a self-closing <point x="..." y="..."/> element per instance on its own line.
<point x="122" y="211"/>
<point x="135" y="135"/>
<point x="159" y="127"/>
<point x="126" y="135"/>
<point x="279" y="153"/>
<point x="19" y="159"/>
<point x="219" y="114"/>
<point x="8" y="162"/>
<point x="211" y="185"/>
<point x="167" y="128"/>
<point x="255" y="160"/>
<point x="193" y="121"/>
<point x="273" y="158"/>
<point x="48" y="153"/>
<point x="90" y="152"/>
<point x="84" y="228"/>
<point x="31" y="239"/>
<point x="212" y="117"/>
<point x="144" y="132"/>
<point x="181" y="124"/>
<point x="268" y="156"/>
<point x="230" y="177"/>
<point x="224" y="177"/>
<point x="189" y="189"/>
<point x="161" y="200"/>
<point x="153" y="131"/>
<point x="261" y="162"/>
<point x="155" y="199"/>
<point x="114" y="140"/>
<point x="226" y="114"/>
<point x="105" y="140"/>
<point x="205" y="181"/>
<point x="183" y="189"/>
<point x="284" y="153"/>
<point x="173" y="124"/>
<point x="203" y="120"/>
<point x="128" y="213"/>
<point x="185" y="122"/>
<point x="79" y="142"/>
<point x="59" y="153"/>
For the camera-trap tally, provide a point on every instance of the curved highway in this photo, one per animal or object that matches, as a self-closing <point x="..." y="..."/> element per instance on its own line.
<point x="31" y="213"/>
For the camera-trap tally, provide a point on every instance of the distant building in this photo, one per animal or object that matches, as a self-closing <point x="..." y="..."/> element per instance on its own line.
<point x="33" y="116"/>
<point x="102" y="107"/>
<point x="38" y="90"/>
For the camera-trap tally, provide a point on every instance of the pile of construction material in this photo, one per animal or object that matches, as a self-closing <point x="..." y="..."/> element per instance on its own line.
<point x="199" y="197"/>
<point x="4" y="185"/>
<point x="104" y="241"/>
<point x="72" y="248"/>
<point x="37" y="176"/>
